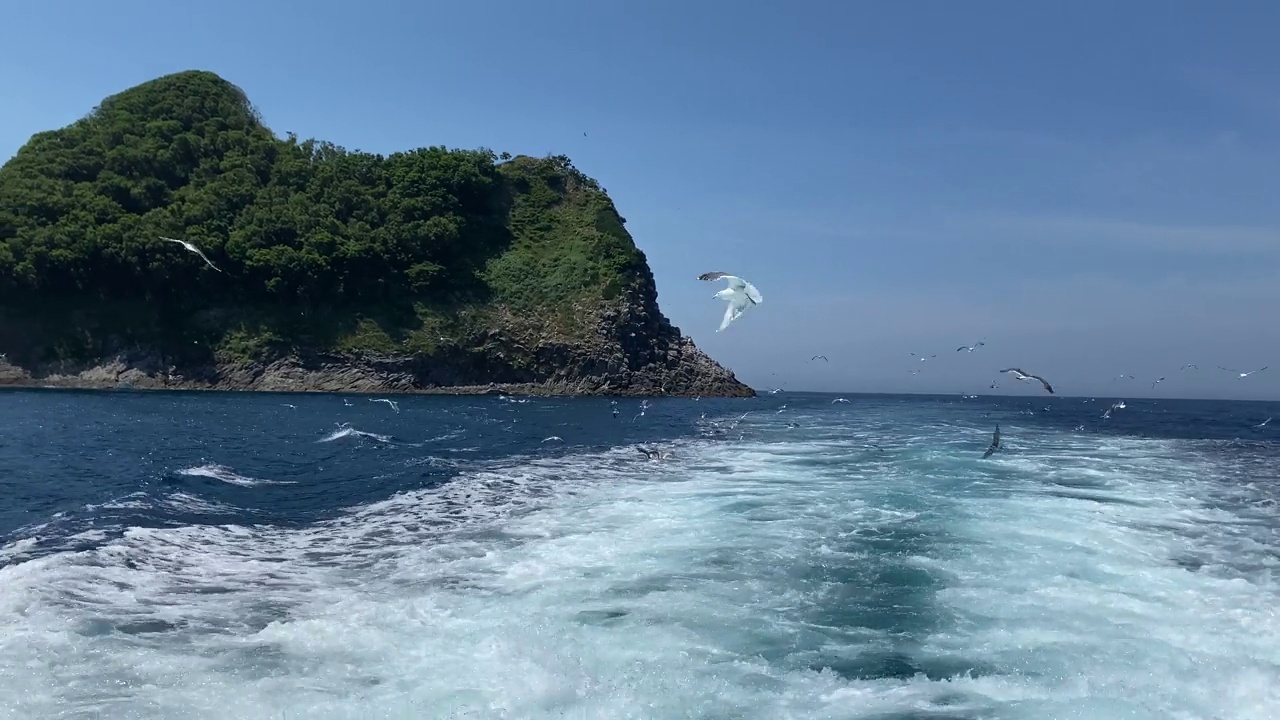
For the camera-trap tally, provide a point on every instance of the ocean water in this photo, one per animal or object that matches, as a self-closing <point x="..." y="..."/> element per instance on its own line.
<point x="243" y="556"/>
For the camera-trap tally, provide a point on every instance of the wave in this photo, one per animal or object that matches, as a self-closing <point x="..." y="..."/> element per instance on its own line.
<point x="222" y="473"/>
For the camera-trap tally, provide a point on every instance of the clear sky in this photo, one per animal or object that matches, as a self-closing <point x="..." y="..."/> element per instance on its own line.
<point x="1093" y="188"/>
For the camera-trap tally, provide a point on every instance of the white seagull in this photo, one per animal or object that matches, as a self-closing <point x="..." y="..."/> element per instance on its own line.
<point x="1020" y="375"/>
<point x="392" y="403"/>
<point x="740" y="295"/>
<point x="971" y="348"/>
<point x="193" y="249"/>
<point x="1243" y="374"/>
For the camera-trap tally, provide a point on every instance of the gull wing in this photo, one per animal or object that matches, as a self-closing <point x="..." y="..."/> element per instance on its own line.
<point x="737" y="303"/>
<point x="752" y="293"/>
<point x="1046" y="384"/>
<point x="711" y="276"/>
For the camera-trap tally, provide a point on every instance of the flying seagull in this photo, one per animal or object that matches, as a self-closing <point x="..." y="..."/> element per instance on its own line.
<point x="193" y="249"/>
<point x="392" y="403"/>
<point x="1020" y="375"/>
<point x="995" y="443"/>
<point x="1158" y="381"/>
<point x="971" y="348"/>
<point x="1263" y="423"/>
<point x="652" y="453"/>
<point x="815" y="357"/>
<point x="1243" y="374"/>
<point x="923" y="358"/>
<point x="740" y="295"/>
<point x="1193" y="366"/>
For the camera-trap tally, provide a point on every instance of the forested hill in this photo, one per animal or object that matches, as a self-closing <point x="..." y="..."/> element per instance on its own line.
<point x="425" y="269"/>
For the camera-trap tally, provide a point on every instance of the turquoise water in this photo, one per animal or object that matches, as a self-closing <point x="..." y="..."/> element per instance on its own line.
<point x="228" y="556"/>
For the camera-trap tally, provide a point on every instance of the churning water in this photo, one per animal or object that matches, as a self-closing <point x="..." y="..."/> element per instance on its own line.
<point x="226" y="556"/>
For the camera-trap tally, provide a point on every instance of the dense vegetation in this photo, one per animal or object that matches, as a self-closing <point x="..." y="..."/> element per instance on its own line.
<point x="318" y="246"/>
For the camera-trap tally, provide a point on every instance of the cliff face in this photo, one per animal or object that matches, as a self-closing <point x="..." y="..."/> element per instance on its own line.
<point x="432" y="270"/>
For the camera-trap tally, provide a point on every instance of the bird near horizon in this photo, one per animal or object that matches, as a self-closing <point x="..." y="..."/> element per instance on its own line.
<point x="192" y="248"/>
<point x="740" y="295"/>
<point x="1243" y="374"/>
<point x="972" y="347"/>
<point x="1021" y="375"/>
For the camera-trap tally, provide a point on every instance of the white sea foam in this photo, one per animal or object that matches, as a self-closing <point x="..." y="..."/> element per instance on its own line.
<point x="225" y="474"/>
<point x="347" y="431"/>
<point x="752" y="579"/>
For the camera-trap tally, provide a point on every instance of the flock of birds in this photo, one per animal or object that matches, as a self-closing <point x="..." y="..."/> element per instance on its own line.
<point x="740" y="295"/>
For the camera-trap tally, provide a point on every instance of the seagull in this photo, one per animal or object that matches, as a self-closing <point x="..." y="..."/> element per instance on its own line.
<point x="1116" y="406"/>
<point x="1263" y="423"/>
<point x="193" y="249"/>
<point x="1157" y="382"/>
<point x="392" y="403"/>
<point x="740" y="295"/>
<point x="923" y="358"/>
<point x="815" y="357"/>
<point x="839" y="400"/>
<point x="1020" y="375"/>
<point x="1193" y="366"/>
<point x="971" y="348"/>
<point x="995" y="443"/>
<point x="553" y="437"/>
<point x="652" y="453"/>
<point x="1243" y="374"/>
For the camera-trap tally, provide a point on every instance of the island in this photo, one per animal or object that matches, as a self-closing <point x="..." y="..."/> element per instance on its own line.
<point x="430" y="270"/>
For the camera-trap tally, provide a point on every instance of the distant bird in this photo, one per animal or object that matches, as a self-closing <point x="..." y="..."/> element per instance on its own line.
<point x="839" y="400"/>
<point x="740" y="295"/>
<point x="1193" y="366"/>
<point x="1117" y="406"/>
<point x="971" y="348"/>
<point x="1158" y="381"/>
<point x="557" y="438"/>
<point x="1263" y="423"/>
<point x="784" y="407"/>
<point x="995" y="443"/>
<point x="1243" y="374"/>
<point x="923" y="358"/>
<point x="193" y="249"/>
<point x="994" y="386"/>
<point x="1122" y="376"/>
<point x="295" y="407"/>
<point x="653" y="453"/>
<point x="392" y="403"/>
<point x="1020" y="375"/>
<point x="817" y="357"/>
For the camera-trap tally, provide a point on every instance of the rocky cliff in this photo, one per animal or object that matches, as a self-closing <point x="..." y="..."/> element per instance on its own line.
<point x="430" y="270"/>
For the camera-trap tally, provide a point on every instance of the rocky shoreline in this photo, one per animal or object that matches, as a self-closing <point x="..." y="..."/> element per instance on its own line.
<point x="686" y="372"/>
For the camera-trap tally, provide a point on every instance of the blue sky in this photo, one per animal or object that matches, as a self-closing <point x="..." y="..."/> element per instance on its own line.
<point x="1092" y="188"/>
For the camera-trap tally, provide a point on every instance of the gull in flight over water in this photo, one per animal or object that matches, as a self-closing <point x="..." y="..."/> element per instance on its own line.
<point x="1116" y="406"/>
<point x="1158" y="381"/>
<point x="392" y="403"/>
<point x="193" y="249"/>
<point x="816" y="357"/>
<point x="1020" y="375"/>
<point x="923" y="358"/>
<point x="1263" y="423"/>
<point x="971" y="348"/>
<point x="740" y="295"/>
<point x="995" y="443"/>
<point x="653" y="453"/>
<point x="1243" y="374"/>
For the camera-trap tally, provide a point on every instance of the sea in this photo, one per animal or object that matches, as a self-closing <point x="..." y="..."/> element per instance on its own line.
<point x="235" y="556"/>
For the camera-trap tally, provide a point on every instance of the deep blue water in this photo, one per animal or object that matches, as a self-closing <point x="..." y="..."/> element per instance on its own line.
<point x="323" y="556"/>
